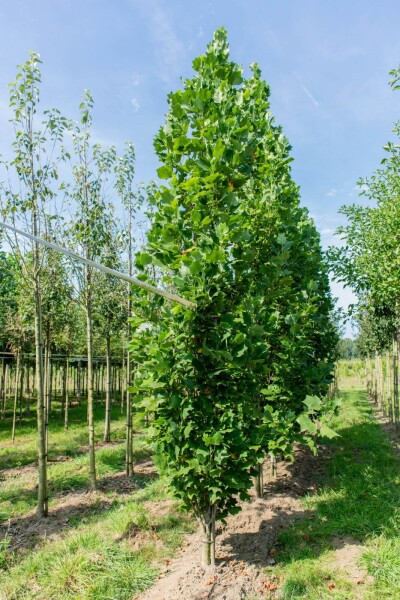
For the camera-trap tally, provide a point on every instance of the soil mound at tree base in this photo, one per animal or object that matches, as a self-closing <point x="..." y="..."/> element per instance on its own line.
<point x="245" y="545"/>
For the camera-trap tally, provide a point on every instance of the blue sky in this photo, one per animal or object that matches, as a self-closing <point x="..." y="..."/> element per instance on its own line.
<point x="327" y="64"/>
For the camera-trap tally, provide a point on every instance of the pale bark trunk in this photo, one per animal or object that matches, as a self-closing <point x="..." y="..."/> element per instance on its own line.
<point x="207" y="523"/>
<point x="395" y="381"/>
<point x="16" y="390"/>
<point x="107" y="421"/>
<point x="129" y="449"/>
<point x="78" y="382"/>
<point x="21" y="386"/>
<point x="42" y="505"/>
<point x="274" y="468"/>
<point x="28" y="392"/>
<point x="66" y="411"/>
<point x="3" y="388"/>
<point x="92" y="458"/>
<point x="259" y="481"/>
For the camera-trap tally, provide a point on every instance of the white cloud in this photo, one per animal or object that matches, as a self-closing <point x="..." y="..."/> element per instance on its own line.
<point x="135" y="104"/>
<point x="136" y="79"/>
<point x="170" y="50"/>
<point x="332" y="193"/>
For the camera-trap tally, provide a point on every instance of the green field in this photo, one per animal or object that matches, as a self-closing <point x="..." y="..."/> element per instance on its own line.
<point x="111" y="544"/>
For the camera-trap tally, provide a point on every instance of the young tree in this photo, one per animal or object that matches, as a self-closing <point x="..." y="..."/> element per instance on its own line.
<point x="109" y="319"/>
<point x="131" y="200"/>
<point x="90" y="230"/>
<point x="34" y="169"/>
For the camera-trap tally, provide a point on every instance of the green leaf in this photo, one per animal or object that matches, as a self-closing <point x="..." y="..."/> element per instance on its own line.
<point x="164" y="172"/>
<point x="306" y="424"/>
<point x="218" y="96"/>
<point x="313" y="403"/>
<point x="326" y="431"/>
<point x="213" y="440"/>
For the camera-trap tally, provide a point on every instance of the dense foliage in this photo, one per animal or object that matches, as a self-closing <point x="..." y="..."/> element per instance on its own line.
<point x="226" y="383"/>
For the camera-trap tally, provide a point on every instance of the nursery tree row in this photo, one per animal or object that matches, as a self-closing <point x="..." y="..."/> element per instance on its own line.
<point x="62" y="186"/>
<point x="368" y="262"/>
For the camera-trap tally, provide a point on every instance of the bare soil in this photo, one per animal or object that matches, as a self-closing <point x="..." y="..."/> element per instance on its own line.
<point x="245" y="546"/>
<point x="347" y="557"/>
<point x="28" y="531"/>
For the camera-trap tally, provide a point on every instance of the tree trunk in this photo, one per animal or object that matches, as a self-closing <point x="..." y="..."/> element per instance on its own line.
<point x="15" y="397"/>
<point x="3" y="388"/>
<point x="47" y="391"/>
<point x="42" y="505"/>
<point x="274" y="469"/>
<point x="21" y="387"/>
<point x="92" y="458"/>
<point x="107" y="421"/>
<point x="207" y="524"/>
<point x="396" y="381"/>
<point x="114" y="380"/>
<point x="389" y="386"/>
<point x="63" y="388"/>
<point x="28" y="392"/>
<point x="66" y="405"/>
<point x="78" y="382"/>
<point x="129" y="449"/>
<point x="259" y="481"/>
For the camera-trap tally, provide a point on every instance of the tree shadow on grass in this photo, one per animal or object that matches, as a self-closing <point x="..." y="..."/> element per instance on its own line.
<point x="27" y="531"/>
<point x="356" y="496"/>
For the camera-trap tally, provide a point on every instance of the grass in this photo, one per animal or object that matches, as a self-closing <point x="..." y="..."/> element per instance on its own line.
<point x="18" y="494"/>
<point x="70" y="443"/>
<point x="113" y="550"/>
<point x="109" y="549"/>
<point x="98" y="558"/>
<point x="358" y="498"/>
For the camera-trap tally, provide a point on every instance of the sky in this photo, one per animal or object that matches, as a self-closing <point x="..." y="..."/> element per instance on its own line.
<point x="327" y="65"/>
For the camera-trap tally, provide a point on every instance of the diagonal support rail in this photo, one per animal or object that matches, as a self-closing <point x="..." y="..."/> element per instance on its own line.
<point x="92" y="263"/>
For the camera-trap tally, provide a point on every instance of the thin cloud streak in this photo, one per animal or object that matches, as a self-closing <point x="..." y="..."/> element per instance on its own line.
<point x="309" y="94"/>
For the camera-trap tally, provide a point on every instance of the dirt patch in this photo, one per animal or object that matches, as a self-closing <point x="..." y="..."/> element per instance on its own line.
<point x="29" y="531"/>
<point x="18" y="472"/>
<point x="144" y="471"/>
<point x="160" y="509"/>
<point x="137" y="537"/>
<point x="348" y="552"/>
<point x="245" y="546"/>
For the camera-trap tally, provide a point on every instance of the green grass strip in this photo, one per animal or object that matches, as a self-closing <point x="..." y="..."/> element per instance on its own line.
<point x="358" y="497"/>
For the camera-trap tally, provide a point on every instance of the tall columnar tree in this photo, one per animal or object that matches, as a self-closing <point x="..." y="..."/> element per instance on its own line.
<point x="109" y="318"/>
<point x="368" y="261"/>
<point x="220" y="235"/>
